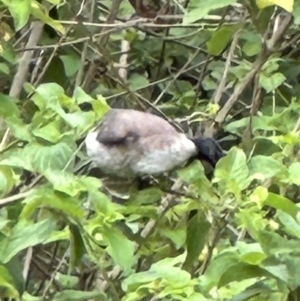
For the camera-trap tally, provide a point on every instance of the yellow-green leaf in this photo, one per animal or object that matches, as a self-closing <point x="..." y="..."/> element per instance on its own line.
<point x="286" y="4"/>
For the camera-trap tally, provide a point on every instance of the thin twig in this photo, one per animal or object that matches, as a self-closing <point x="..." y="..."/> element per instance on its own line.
<point x="22" y="73"/>
<point x="220" y="89"/>
<point x="182" y="70"/>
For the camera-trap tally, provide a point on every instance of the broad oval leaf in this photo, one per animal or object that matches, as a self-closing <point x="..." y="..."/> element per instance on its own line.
<point x="197" y="9"/>
<point x="232" y="171"/>
<point x="264" y="167"/>
<point x="39" y="158"/>
<point x="271" y="82"/>
<point x="119" y="248"/>
<point x="197" y="232"/>
<point x="241" y="271"/>
<point x="20" y="11"/>
<point x="24" y="235"/>
<point x="221" y="38"/>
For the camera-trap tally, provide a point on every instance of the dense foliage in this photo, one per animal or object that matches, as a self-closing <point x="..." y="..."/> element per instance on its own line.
<point x="226" y="68"/>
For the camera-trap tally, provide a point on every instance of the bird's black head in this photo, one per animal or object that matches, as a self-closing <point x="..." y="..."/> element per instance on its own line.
<point x="209" y="150"/>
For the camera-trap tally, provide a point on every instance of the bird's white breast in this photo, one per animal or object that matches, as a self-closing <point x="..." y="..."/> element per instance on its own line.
<point x="148" y="155"/>
<point x="110" y="159"/>
<point x="173" y="152"/>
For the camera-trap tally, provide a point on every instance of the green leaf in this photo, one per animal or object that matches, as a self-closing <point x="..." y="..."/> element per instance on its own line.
<point x="280" y="202"/>
<point x="218" y="266"/>
<point x="264" y="167"/>
<point x="77" y="247"/>
<point x="119" y="248"/>
<point x="4" y="68"/>
<point x="274" y="244"/>
<point x="67" y="281"/>
<point x="175" y="276"/>
<point x="37" y="12"/>
<point x="232" y="171"/>
<point x="146" y="196"/>
<point x="19" y="129"/>
<point x="166" y="269"/>
<point x="7" y="180"/>
<point x="198" y="9"/>
<point x="286" y="4"/>
<point x="192" y="173"/>
<point x="20" y="11"/>
<point x="6" y="281"/>
<point x="77" y="295"/>
<point x="251" y="49"/>
<point x="259" y="195"/>
<point x="134" y="281"/>
<point x="46" y="197"/>
<point x="221" y="38"/>
<point x="81" y="97"/>
<point x="177" y="235"/>
<point x="24" y="235"/>
<point x="38" y="158"/>
<point x="271" y="82"/>
<point x="291" y="226"/>
<point x="80" y="120"/>
<point x="137" y="81"/>
<point x="101" y="203"/>
<point x="8" y="52"/>
<point x="50" y="132"/>
<point x="71" y="64"/>
<point x="8" y="106"/>
<point x="276" y="268"/>
<point x="294" y="173"/>
<point x="65" y="182"/>
<point x="256" y="289"/>
<point x="251" y="253"/>
<point x="241" y="271"/>
<point x="51" y="95"/>
<point x="197" y="232"/>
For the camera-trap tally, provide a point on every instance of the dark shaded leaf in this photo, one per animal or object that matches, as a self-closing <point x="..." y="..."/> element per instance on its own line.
<point x="197" y="232"/>
<point x="77" y="247"/>
<point x="241" y="271"/>
<point x="221" y="38"/>
<point x="7" y="285"/>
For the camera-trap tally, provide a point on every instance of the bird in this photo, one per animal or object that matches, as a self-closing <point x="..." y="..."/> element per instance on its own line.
<point x="129" y="143"/>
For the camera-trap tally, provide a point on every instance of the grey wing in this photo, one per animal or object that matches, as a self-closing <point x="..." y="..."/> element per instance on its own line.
<point x="119" y="126"/>
<point x="113" y="130"/>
